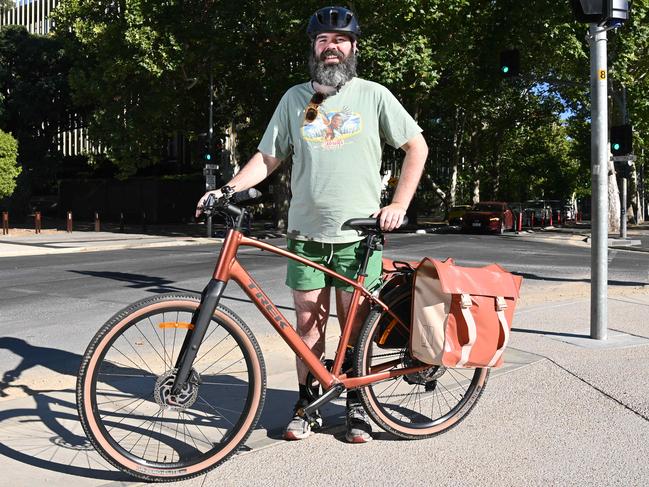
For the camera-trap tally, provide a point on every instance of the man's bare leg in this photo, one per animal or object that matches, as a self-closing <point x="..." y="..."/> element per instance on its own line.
<point x="343" y="302"/>
<point x="358" y="428"/>
<point x="312" y="311"/>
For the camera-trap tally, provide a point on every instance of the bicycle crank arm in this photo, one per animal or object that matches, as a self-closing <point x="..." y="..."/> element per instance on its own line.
<point x="201" y="320"/>
<point x="328" y="396"/>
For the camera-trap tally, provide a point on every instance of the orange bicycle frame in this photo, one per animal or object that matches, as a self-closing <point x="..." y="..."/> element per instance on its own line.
<point x="228" y="267"/>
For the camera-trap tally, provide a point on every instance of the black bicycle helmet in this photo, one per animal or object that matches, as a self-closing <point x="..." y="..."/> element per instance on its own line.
<point x="333" y="19"/>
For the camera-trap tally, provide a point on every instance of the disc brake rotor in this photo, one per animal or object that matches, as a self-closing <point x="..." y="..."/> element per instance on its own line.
<point x="187" y="396"/>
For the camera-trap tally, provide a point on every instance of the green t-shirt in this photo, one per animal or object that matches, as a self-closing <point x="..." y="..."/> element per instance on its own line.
<point x="336" y="157"/>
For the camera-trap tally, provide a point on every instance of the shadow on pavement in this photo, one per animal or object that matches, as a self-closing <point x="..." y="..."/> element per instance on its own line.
<point x="526" y="275"/>
<point x="44" y="430"/>
<point x="138" y="281"/>
<point x="552" y="333"/>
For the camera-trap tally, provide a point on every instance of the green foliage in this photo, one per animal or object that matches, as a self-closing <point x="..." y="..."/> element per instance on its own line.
<point x="142" y="68"/>
<point x="35" y="102"/>
<point x="9" y="168"/>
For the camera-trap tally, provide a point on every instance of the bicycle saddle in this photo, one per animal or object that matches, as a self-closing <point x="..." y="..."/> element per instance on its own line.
<point x="367" y="225"/>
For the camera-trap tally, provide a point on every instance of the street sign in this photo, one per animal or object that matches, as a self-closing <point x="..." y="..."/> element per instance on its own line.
<point x="630" y="157"/>
<point x="210" y="182"/>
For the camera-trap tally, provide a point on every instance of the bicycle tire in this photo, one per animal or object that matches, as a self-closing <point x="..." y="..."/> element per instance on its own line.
<point x="400" y="405"/>
<point x="125" y="376"/>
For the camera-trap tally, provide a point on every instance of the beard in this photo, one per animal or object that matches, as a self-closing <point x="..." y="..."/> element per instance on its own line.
<point x="335" y="75"/>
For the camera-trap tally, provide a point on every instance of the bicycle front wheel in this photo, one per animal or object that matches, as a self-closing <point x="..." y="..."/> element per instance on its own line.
<point x="417" y="405"/>
<point x="124" y="390"/>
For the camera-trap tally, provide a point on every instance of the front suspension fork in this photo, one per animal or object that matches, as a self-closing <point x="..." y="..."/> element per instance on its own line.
<point x="201" y="320"/>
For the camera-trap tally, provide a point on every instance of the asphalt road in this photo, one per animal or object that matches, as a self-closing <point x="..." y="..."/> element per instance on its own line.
<point x="61" y="301"/>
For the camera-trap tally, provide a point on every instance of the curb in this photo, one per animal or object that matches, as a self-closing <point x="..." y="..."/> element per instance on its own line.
<point x="124" y="246"/>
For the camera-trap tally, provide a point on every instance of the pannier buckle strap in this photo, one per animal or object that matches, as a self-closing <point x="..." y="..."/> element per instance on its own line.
<point x="466" y="303"/>
<point x="465" y="300"/>
<point x="501" y="304"/>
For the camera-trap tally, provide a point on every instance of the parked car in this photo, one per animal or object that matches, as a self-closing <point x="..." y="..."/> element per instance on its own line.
<point x="540" y="209"/>
<point x="489" y="216"/>
<point x="456" y="214"/>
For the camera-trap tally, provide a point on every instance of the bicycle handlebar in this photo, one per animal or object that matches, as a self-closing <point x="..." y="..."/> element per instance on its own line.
<point x="227" y="201"/>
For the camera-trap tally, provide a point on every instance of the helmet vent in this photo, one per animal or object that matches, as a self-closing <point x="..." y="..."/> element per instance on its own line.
<point x="334" y="17"/>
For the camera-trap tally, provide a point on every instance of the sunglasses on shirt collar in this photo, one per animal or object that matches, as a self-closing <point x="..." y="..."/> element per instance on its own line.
<point x="311" y="111"/>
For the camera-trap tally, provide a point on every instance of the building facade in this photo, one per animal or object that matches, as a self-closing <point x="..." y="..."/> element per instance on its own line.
<point x="33" y="14"/>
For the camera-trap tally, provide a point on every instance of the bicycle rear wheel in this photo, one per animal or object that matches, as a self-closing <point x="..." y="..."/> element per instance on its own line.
<point x="418" y="405"/>
<point x="124" y="390"/>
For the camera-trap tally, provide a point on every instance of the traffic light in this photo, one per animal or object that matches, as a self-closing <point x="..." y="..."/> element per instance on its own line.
<point x="622" y="140"/>
<point x="614" y="12"/>
<point x="617" y="11"/>
<point x="510" y="63"/>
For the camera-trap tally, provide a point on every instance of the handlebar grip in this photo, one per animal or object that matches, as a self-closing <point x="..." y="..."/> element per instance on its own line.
<point x="245" y="195"/>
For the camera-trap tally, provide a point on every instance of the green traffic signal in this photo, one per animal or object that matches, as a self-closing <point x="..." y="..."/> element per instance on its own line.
<point x="208" y="157"/>
<point x="505" y="69"/>
<point x="616" y="146"/>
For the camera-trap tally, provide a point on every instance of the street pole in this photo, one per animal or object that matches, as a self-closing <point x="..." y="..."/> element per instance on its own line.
<point x="623" y="195"/>
<point x="599" y="183"/>
<point x="623" y="207"/>
<point x="210" y="133"/>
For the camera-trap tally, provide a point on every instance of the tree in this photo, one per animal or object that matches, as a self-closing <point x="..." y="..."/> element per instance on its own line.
<point x="35" y="104"/>
<point x="9" y="169"/>
<point x="142" y="67"/>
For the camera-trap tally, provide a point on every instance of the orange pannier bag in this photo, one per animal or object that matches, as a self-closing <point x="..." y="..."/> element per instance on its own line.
<point x="462" y="316"/>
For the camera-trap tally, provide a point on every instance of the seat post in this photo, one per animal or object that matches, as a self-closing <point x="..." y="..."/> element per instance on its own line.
<point x="371" y="243"/>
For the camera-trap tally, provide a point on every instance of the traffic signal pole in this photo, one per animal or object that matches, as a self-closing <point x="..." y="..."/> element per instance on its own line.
<point x="210" y="134"/>
<point x="599" y="182"/>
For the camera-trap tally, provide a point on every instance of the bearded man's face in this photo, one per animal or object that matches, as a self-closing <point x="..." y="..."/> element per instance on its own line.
<point x="333" y="59"/>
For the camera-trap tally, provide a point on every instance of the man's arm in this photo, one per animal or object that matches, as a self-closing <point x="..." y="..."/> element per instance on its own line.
<point x="416" y="150"/>
<point x="258" y="168"/>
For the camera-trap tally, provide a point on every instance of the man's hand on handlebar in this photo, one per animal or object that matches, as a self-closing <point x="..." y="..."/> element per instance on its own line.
<point x="390" y="217"/>
<point x="201" y="203"/>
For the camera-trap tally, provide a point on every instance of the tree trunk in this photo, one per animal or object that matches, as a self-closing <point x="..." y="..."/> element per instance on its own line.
<point x="613" y="201"/>
<point x="458" y="137"/>
<point x="637" y="200"/>
<point x="476" y="191"/>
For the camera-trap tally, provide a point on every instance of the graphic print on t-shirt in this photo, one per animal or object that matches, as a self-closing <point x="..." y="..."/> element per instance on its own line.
<point x="332" y="128"/>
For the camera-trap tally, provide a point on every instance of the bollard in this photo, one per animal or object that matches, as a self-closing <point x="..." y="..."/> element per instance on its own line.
<point x="143" y="222"/>
<point x="5" y="223"/>
<point x="121" y="222"/>
<point x="532" y="218"/>
<point x="68" y="227"/>
<point x="551" y="215"/>
<point x="520" y="222"/>
<point x="97" y="226"/>
<point x="559" y="218"/>
<point x="37" y="221"/>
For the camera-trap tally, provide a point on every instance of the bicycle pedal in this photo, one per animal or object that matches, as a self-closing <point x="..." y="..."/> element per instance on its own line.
<point x="313" y="421"/>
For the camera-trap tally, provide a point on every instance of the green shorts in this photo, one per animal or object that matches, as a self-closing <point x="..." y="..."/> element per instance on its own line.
<point x="343" y="258"/>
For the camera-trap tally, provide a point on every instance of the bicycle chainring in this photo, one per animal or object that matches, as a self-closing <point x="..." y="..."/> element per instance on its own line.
<point x="187" y="397"/>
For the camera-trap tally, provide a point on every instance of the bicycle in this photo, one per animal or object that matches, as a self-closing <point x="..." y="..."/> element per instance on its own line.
<point x="172" y="385"/>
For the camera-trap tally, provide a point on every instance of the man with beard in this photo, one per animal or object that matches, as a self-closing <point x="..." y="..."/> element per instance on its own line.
<point x="333" y="181"/>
